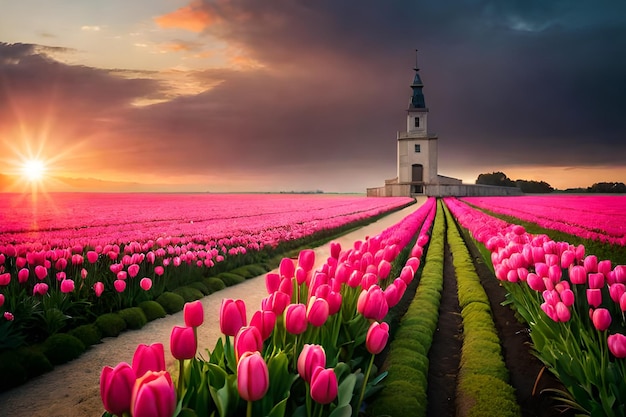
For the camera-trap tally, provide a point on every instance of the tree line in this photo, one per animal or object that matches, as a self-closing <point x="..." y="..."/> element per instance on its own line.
<point x="540" y="187"/>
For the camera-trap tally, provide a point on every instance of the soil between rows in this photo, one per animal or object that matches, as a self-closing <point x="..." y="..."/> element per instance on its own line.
<point x="525" y="369"/>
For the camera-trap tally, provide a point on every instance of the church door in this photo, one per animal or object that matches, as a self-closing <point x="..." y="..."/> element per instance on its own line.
<point x="417" y="175"/>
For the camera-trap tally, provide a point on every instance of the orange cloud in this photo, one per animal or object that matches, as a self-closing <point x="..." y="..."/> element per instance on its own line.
<point x="192" y="17"/>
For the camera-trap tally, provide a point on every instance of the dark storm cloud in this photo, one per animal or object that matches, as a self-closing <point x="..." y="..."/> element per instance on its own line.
<point x="506" y="82"/>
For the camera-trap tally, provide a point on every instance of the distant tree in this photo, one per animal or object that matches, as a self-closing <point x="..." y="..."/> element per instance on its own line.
<point x="534" y="187"/>
<point x="495" y="178"/>
<point x="607" y="187"/>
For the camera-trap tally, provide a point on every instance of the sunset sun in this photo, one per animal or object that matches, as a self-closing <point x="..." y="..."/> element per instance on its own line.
<point x="33" y="169"/>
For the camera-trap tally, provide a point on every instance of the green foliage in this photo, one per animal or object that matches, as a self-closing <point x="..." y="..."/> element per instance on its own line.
<point x="10" y="337"/>
<point x="89" y="334"/>
<point x="231" y="279"/>
<point x="200" y="286"/>
<point x="486" y="396"/>
<point x="110" y="324"/>
<point x="134" y="317"/>
<point x="62" y="347"/>
<point x="33" y="361"/>
<point x="607" y="187"/>
<point x="399" y="399"/>
<point x="12" y="373"/>
<point x="244" y="271"/>
<point x="152" y="310"/>
<point x="214" y="284"/>
<point x="495" y="178"/>
<point x="534" y="187"/>
<point x="171" y="302"/>
<point x="188" y="293"/>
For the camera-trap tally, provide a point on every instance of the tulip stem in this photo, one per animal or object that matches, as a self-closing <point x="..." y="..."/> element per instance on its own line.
<point x="181" y="370"/>
<point x="249" y="409"/>
<point x="367" y="375"/>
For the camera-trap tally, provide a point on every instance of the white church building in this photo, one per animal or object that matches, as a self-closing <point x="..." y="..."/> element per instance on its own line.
<point x="417" y="159"/>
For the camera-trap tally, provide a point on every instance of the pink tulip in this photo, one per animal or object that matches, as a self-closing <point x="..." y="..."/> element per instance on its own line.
<point x="376" y="338"/>
<point x="98" y="288"/>
<point x="591" y="263"/>
<point x="133" y="270"/>
<point x="272" y="281"/>
<point x="594" y="297"/>
<point x="562" y="312"/>
<point x="324" y="385"/>
<point x="116" y="387"/>
<point x="372" y="304"/>
<point x="145" y="283"/>
<point x="601" y="319"/>
<point x="407" y="274"/>
<point x="77" y="259"/>
<point x="302" y="276"/>
<point x="334" y="299"/>
<point x="264" y="321"/>
<point x="317" y="311"/>
<point x="286" y="286"/>
<point x="122" y="275"/>
<point x="193" y="313"/>
<point x="541" y="269"/>
<point x="276" y="302"/>
<point x="22" y="275"/>
<point x="567" y="297"/>
<point x="9" y="316"/>
<point x="148" y="358"/>
<point x="60" y="264"/>
<point x="120" y="285"/>
<point x="578" y="275"/>
<point x="5" y="279"/>
<point x="40" y="288"/>
<point x="287" y="268"/>
<point x="604" y="267"/>
<point x="567" y="258"/>
<point x="252" y="376"/>
<point x="550" y="311"/>
<point x="622" y="302"/>
<point x="369" y="279"/>
<point x="41" y="272"/>
<point x="384" y="268"/>
<point x="620" y="273"/>
<point x="248" y="339"/>
<point x="83" y="273"/>
<point x="335" y="250"/>
<point x="92" y="257"/>
<point x="183" y="343"/>
<point x="153" y="395"/>
<point x="295" y="319"/>
<point x="1" y="300"/>
<point x="67" y="286"/>
<point x="310" y="358"/>
<point x="596" y="280"/>
<point x="306" y="259"/>
<point x="159" y="270"/>
<point x="232" y="316"/>
<point x="616" y="290"/>
<point x="61" y="276"/>
<point x="617" y="345"/>
<point x="554" y="273"/>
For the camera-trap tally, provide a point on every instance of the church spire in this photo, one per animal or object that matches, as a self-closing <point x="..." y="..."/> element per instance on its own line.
<point x="417" y="98"/>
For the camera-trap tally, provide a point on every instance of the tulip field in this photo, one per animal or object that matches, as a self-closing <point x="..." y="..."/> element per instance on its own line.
<point x="310" y="348"/>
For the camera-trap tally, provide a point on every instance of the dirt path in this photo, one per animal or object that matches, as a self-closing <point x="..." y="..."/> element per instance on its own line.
<point x="73" y="389"/>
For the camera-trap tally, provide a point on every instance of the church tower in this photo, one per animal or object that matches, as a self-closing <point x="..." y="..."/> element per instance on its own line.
<point x="417" y="149"/>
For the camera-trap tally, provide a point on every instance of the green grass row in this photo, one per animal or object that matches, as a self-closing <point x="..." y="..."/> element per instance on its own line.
<point x="405" y="392"/>
<point x="483" y="388"/>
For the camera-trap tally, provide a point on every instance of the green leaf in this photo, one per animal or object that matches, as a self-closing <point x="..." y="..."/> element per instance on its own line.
<point x="346" y="389"/>
<point x="279" y="409"/>
<point x="342" y="411"/>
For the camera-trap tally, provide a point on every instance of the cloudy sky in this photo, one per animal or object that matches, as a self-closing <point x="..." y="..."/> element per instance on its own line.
<point x="249" y="95"/>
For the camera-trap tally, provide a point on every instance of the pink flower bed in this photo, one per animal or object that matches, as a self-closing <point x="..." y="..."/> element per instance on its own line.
<point x="601" y="218"/>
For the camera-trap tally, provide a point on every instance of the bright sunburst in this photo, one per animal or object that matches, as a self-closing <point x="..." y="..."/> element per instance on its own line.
<point x="33" y="170"/>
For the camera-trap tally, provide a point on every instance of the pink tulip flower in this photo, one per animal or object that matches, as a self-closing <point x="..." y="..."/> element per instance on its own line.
<point x="276" y="302"/>
<point x="324" y="385"/>
<point x="591" y="263"/>
<point x="604" y="267"/>
<point x="287" y="268"/>
<point x="335" y="250"/>
<point x="183" y="343"/>
<point x="145" y="283"/>
<point x="120" y="285"/>
<point x="8" y="316"/>
<point x="92" y="257"/>
<point x="98" y="288"/>
<point x="306" y="259"/>
<point x="60" y="264"/>
<point x="622" y="302"/>
<point x="295" y="319"/>
<point x="596" y="280"/>
<point x="193" y="313"/>
<point x="116" y="387"/>
<point x="83" y="273"/>
<point x="567" y="297"/>
<point x="67" y="286"/>
<point x="578" y="275"/>
<point x="40" y="288"/>
<point x="153" y="395"/>
<point x="310" y="358"/>
<point x="1" y="300"/>
<point x="252" y="376"/>
<point x="122" y="275"/>
<point x="61" y="276"/>
<point x="317" y="311"/>
<point x="594" y="297"/>
<point x="248" y="339"/>
<point x="264" y="320"/>
<point x="41" y="272"/>
<point x="22" y="275"/>
<point x="616" y="290"/>
<point x="232" y="316"/>
<point x="601" y="319"/>
<point x="617" y="345"/>
<point x="372" y="304"/>
<point x="272" y="281"/>
<point x="133" y="270"/>
<point x="407" y="274"/>
<point x="148" y="358"/>
<point x="377" y="336"/>
<point x="562" y="312"/>
<point x="159" y="270"/>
